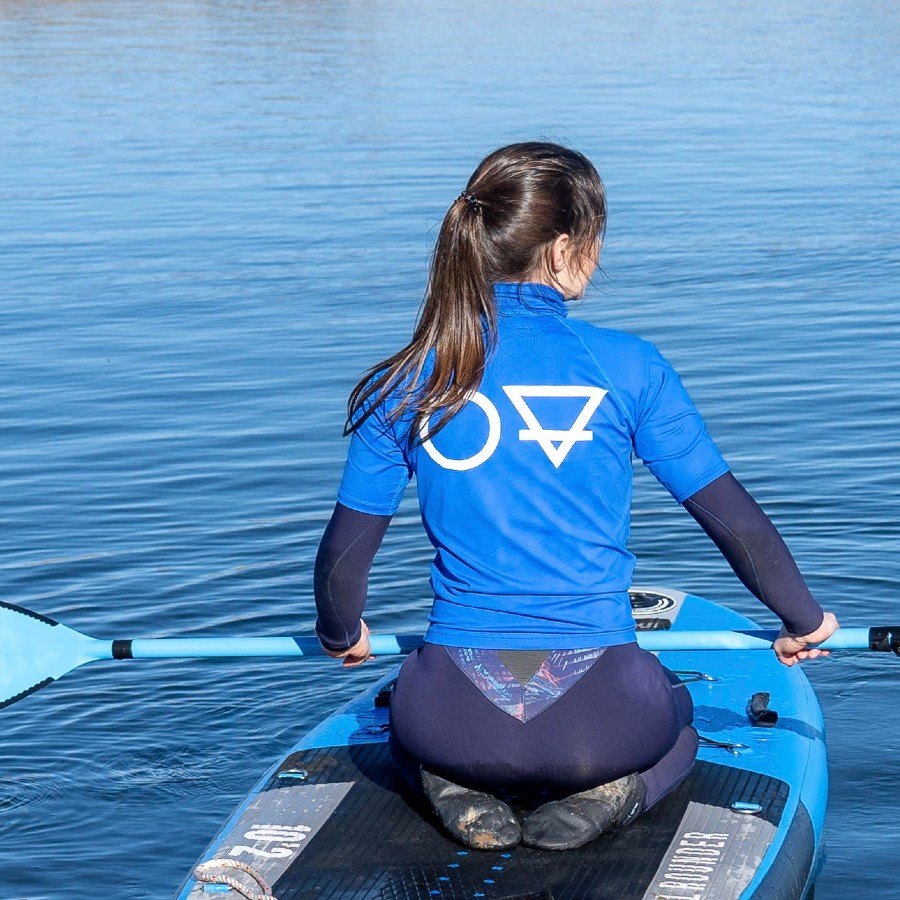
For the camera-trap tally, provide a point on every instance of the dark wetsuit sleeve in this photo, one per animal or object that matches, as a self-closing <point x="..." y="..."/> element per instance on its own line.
<point x="345" y="556"/>
<point x="756" y="551"/>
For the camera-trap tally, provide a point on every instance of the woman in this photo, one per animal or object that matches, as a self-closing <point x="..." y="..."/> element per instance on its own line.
<point x="530" y="714"/>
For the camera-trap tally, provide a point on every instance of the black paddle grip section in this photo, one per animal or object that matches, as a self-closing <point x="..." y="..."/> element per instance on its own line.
<point x="122" y="650"/>
<point x="758" y="710"/>
<point x="886" y="639"/>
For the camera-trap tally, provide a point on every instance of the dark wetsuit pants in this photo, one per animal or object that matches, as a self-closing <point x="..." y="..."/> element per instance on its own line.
<point x="583" y="718"/>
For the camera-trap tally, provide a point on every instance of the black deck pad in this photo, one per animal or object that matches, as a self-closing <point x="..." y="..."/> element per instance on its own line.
<point x="375" y="845"/>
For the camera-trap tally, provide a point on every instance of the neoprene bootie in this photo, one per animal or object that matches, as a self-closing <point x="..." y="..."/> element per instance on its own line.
<point x="574" y="821"/>
<point x="476" y="820"/>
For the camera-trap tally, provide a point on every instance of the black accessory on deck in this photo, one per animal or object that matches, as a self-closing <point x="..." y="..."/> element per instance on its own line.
<point x="758" y="710"/>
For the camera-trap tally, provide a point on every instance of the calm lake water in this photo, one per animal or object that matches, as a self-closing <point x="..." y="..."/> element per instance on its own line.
<point x="215" y="215"/>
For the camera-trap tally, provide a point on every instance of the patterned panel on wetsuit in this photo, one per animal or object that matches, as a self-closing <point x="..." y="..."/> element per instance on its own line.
<point x="559" y="671"/>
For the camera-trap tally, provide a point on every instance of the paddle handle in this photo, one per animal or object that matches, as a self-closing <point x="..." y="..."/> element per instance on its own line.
<point x="755" y="639"/>
<point x="881" y="638"/>
<point x="886" y="638"/>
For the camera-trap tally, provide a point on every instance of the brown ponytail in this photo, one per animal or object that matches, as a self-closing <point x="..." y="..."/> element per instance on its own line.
<point x="500" y="228"/>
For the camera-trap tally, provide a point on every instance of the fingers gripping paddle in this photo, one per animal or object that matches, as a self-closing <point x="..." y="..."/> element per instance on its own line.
<point x="35" y="650"/>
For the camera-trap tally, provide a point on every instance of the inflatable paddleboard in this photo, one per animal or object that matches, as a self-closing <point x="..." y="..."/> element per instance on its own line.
<point x="328" y="821"/>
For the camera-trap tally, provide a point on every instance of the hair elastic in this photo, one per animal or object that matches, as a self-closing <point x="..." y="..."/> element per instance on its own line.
<point x="471" y="199"/>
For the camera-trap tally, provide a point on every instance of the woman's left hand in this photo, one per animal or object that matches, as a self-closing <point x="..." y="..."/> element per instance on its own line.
<point x="791" y="650"/>
<point x="358" y="653"/>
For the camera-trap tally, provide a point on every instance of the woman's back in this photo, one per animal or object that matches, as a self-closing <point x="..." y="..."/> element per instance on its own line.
<point x="526" y="492"/>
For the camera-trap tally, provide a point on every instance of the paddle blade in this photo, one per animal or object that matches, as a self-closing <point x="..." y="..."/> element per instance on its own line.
<point x="35" y="650"/>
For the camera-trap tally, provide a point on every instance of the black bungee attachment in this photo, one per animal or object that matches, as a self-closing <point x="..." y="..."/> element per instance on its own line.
<point x="758" y="710"/>
<point x="885" y="638"/>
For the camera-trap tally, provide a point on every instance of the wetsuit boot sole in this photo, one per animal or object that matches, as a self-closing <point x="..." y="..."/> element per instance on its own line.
<point x="576" y="820"/>
<point x="472" y="818"/>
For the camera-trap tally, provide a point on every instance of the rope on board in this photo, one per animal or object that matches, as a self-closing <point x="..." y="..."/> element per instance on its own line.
<point x="203" y="873"/>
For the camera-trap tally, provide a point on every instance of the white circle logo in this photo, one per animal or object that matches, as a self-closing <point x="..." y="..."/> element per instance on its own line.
<point x="490" y="445"/>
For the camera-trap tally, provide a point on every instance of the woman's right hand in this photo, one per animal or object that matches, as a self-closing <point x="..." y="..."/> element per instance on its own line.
<point x="358" y="653"/>
<point x="791" y="650"/>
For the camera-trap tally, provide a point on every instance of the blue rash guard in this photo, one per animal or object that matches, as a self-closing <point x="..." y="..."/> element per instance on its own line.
<point x="526" y="493"/>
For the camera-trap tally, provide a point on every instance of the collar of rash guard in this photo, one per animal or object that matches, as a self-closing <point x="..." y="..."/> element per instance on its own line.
<point x="528" y="298"/>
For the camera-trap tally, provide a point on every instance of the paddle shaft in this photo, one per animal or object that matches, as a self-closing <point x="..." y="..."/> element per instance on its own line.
<point x="35" y="650"/>
<point x="879" y="638"/>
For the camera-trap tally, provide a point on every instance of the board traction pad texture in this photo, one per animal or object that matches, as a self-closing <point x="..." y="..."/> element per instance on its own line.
<point x="372" y="844"/>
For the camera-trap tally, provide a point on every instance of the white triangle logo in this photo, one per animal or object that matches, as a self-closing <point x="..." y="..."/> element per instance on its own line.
<point x="556" y="443"/>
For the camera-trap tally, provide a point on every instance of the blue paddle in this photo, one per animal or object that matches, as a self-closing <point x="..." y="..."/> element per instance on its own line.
<point x="35" y="650"/>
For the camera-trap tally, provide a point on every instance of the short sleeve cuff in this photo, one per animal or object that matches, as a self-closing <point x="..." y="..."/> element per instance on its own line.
<point x="710" y="474"/>
<point x="367" y="506"/>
